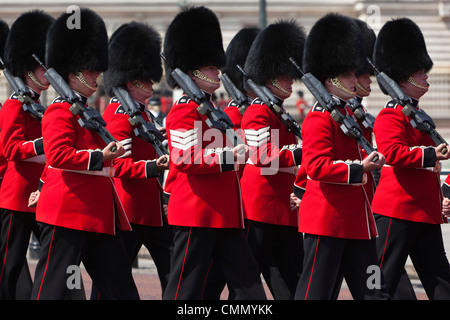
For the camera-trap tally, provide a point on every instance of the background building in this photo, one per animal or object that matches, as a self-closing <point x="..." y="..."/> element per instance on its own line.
<point x="433" y="17"/>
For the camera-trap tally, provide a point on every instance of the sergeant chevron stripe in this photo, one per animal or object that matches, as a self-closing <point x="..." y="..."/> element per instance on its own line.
<point x="256" y="138"/>
<point x="184" y="140"/>
<point x="126" y="143"/>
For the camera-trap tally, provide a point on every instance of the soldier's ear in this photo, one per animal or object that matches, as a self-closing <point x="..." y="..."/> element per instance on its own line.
<point x="72" y="78"/>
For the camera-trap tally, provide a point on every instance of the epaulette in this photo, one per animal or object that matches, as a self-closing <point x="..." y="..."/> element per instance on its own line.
<point x="257" y="101"/>
<point x="391" y="104"/>
<point x="114" y="100"/>
<point x="14" y="96"/>
<point x="58" y="100"/>
<point x="318" y="107"/>
<point x="120" y="110"/>
<point x="233" y="104"/>
<point x="183" y="99"/>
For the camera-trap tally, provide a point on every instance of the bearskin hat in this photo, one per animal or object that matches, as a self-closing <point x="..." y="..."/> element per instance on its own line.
<point x="193" y="39"/>
<point x="134" y="54"/>
<point x="26" y="37"/>
<point x="269" y="55"/>
<point x="74" y="50"/>
<point x="334" y="46"/>
<point x="368" y="37"/>
<point x="237" y="52"/>
<point x="4" y="30"/>
<point x="400" y="49"/>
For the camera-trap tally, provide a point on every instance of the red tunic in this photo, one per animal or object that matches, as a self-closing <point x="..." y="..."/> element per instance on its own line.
<point x="21" y="140"/>
<point x="205" y="190"/>
<point x="235" y="115"/>
<point x="409" y="186"/>
<point x="270" y="171"/>
<point x="76" y="194"/>
<point x="136" y="173"/>
<point x="335" y="203"/>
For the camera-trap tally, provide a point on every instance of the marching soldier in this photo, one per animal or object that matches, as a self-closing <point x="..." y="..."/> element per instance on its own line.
<point x="22" y="146"/>
<point x="335" y="215"/>
<point x="78" y="208"/>
<point x="409" y="222"/>
<point x="135" y="64"/>
<point x="405" y="289"/>
<point x="275" y="154"/>
<point x="236" y="54"/>
<point x="205" y="202"/>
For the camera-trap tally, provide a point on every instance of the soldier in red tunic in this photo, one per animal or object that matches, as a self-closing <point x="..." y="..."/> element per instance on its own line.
<point x="135" y="64"/>
<point x="78" y="208"/>
<point x="335" y="213"/>
<point x="205" y="202"/>
<point x="408" y="199"/>
<point x="275" y="154"/>
<point x="22" y="146"/>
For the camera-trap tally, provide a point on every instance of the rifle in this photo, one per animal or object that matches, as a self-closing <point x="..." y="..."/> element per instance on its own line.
<point x="419" y="119"/>
<point x="348" y="125"/>
<point x="237" y="95"/>
<point x="367" y="119"/>
<point x="142" y="128"/>
<point x="36" y="110"/>
<point x="217" y="118"/>
<point x="269" y="99"/>
<point x="89" y="117"/>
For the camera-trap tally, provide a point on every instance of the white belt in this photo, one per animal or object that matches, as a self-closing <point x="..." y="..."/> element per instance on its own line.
<point x="437" y="168"/>
<point x="38" y="159"/>
<point x="105" y="172"/>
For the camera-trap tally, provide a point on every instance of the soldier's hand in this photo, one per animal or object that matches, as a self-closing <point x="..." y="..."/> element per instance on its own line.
<point x="162" y="163"/>
<point x="241" y="153"/>
<point x="440" y="155"/>
<point x="163" y="131"/>
<point x="33" y="199"/>
<point x="369" y="165"/>
<point x="108" y="154"/>
<point x="294" y="201"/>
<point x="446" y="207"/>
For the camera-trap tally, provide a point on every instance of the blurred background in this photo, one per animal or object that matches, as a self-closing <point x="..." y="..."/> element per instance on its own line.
<point x="432" y="16"/>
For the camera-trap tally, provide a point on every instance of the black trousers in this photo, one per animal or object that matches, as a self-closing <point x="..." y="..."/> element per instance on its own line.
<point x="103" y="256"/>
<point x="195" y="249"/>
<point x="159" y="243"/>
<point x="328" y="259"/>
<point x="423" y="243"/>
<point x="16" y="228"/>
<point x="278" y="250"/>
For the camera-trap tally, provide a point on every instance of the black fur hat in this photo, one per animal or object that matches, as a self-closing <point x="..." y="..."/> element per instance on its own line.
<point x="269" y="55"/>
<point x="74" y="50"/>
<point x="4" y="30"/>
<point x="237" y="52"/>
<point x="400" y="49"/>
<point x="26" y="36"/>
<point x="334" y="46"/>
<point x="193" y="39"/>
<point x="368" y="37"/>
<point x="134" y="51"/>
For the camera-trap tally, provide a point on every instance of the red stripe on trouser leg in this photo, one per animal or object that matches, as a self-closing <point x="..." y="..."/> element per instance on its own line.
<point x="385" y="244"/>
<point x="312" y="269"/>
<point x="184" y="260"/>
<point x="6" y="247"/>
<point x="46" y="264"/>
